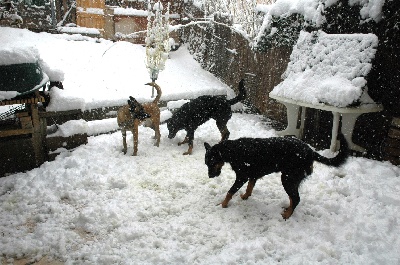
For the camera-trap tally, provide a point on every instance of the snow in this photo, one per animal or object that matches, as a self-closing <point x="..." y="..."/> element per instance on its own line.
<point x="130" y="12"/>
<point x="79" y="30"/>
<point x="91" y="10"/>
<point x="95" y="205"/>
<point x="329" y="69"/>
<point x="18" y="55"/>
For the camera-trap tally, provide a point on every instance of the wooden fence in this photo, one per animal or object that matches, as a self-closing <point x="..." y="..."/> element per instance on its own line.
<point x="228" y="55"/>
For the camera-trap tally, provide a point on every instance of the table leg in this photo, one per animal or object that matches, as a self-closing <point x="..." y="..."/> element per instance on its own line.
<point x="292" y="112"/>
<point x="335" y="128"/>
<point x="348" y="122"/>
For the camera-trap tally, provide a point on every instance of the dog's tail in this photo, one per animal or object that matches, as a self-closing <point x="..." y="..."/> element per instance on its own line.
<point x="340" y="158"/>
<point x="241" y="95"/>
<point x="158" y="88"/>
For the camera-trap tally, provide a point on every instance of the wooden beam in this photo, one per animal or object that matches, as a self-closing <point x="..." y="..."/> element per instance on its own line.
<point x="22" y="101"/>
<point x="15" y="132"/>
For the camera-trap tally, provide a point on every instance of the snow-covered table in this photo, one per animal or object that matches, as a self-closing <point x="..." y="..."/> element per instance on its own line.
<point x="327" y="72"/>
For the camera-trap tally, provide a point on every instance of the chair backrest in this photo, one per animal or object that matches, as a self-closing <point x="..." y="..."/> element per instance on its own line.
<point x="329" y="69"/>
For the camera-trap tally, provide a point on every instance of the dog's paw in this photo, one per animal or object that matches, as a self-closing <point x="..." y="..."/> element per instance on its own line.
<point x="245" y="196"/>
<point x="287" y="213"/>
<point x="224" y="205"/>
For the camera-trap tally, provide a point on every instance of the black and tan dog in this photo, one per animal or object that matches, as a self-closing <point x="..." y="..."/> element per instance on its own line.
<point x="253" y="158"/>
<point x="196" y="112"/>
<point x="130" y="116"/>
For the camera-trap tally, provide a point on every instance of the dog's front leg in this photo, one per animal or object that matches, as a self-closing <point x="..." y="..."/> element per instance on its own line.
<point x="135" y="133"/>
<point x="239" y="182"/>
<point x="190" y="149"/>
<point x="188" y="139"/>
<point x="184" y="141"/>
<point x="249" y="189"/>
<point x="225" y="202"/>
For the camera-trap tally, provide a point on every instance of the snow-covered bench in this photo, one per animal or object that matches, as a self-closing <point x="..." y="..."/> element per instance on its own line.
<point x="327" y="72"/>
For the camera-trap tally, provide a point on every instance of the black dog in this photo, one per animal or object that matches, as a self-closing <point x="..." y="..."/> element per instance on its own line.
<point x="253" y="158"/>
<point x="196" y="112"/>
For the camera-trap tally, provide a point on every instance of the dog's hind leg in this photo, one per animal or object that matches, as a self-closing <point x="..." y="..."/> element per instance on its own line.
<point x="135" y="132"/>
<point x="249" y="189"/>
<point x="291" y="185"/>
<point x="223" y="129"/>
<point x="157" y="134"/>
<point x="123" y="131"/>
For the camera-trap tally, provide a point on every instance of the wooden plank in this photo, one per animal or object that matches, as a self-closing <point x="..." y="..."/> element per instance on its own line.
<point x="392" y="159"/>
<point x="395" y="143"/>
<point x="396" y="122"/>
<point x="37" y="137"/>
<point x="8" y="133"/>
<point x="392" y="151"/>
<point x="394" y="133"/>
<point x="22" y="114"/>
<point x="26" y="122"/>
<point x="48" y="114"/>
<point x="70" y="142"/>
<point x="25" y="118"/>
<point x="31" y="100"/>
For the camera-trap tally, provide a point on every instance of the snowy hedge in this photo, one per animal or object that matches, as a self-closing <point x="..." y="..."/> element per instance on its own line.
<point x="285" y="19"/>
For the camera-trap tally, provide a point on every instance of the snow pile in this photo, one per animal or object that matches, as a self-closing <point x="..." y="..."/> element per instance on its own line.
<point x="70" y="128"/>
<point x="328" y="69"/>
<point x="54" y="74"/>
<point x="18" y="55"/>
<point x="63" y="100"/>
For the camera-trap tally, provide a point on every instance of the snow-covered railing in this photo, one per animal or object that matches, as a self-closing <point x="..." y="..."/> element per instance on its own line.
<point x="328" y="72"/>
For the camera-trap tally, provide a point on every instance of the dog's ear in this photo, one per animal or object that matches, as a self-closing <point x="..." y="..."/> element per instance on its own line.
<point x="135" y="102"/>
<point x="207" y="146"/>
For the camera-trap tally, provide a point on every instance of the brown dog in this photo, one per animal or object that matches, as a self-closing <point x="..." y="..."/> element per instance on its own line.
<point x="130" y="116"/>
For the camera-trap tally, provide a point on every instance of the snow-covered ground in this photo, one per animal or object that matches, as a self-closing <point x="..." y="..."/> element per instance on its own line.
<point x="95" y="205"/>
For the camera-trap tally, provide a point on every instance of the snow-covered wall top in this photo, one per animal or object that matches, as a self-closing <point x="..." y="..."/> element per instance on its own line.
<point x="328" y="69"/>
<point x="130" y="12"/>
<point x="312" y="10"/>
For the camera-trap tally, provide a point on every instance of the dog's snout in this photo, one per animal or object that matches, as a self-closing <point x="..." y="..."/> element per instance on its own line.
<point x="212" y="173"/>
<point x="171" y="134"/>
